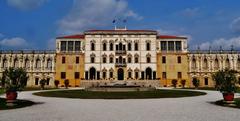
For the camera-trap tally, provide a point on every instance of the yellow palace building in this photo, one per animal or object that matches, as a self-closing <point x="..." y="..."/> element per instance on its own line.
<point x="121" y="56"/>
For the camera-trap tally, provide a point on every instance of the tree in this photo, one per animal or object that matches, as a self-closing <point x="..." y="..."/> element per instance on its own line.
<point x="226" y="81"/>
<point x="183" y="82"/>
<point x="66" y="83"/>
<point x="14" y="79"/>
<point x="195" y="82"/>
<point x="174" y="83"/>
<point x="43" y="83"/>
<point x="56" y="83"/>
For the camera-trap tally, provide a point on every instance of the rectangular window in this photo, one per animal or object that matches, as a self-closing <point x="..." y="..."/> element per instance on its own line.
<point x="142" y="74"/>
<point x="86" y="75"/>
<point x="104" y="60"/>
<point x="111" y="60"/>
<point x="63" y="75"/>
<point x="104" y="75"/>
<point x="206" y="81"/>
<point x="98" y="75"/>
<point x="77" y="60"/>
<point x="63" y="45"/>
<point x="136" y="75"/>
<point x="77" y="45"/>
<point x="136" y="46"/>
<point x="179" y="60"/>
<point x="70" y="45"/>
<point x="111" y="74"/>
<point x="179" y="75"/>
<point x="148" y="47"/>
<point x="48" y="80"/>
<point x="77" y="75"/>
<point x="163" y="45"/>
<point x="129" y="74"/>
<point x="171" y="45"/>
<point x="178" y="45"/>
<point x="63" y="60"/>
<point x="164" y="75"/>
<point x="36" y="81"/>
<point x="154" y="75"/>
<point x="92" y="59"/>
<point x="163" y="59"/>
<point x="136" y="59"/>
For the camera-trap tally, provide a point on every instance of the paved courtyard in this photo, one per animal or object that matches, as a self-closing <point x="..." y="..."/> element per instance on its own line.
<point x="169" y="109"/>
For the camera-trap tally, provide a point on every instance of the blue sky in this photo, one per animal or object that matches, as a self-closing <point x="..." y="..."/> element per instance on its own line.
<point x="34" y="24"/>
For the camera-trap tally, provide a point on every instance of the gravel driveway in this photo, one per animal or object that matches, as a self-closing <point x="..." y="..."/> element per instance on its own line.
<point x="168" y="109"/>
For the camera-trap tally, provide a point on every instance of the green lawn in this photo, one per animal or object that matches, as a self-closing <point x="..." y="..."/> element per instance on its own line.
<point x="19" y="104"/>
<point x="36" y="88"/>
<point x="119" y="95"/>
<point x="210" y="88"/>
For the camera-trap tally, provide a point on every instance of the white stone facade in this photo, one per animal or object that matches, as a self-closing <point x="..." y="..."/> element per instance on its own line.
<point x="38" y="64"/>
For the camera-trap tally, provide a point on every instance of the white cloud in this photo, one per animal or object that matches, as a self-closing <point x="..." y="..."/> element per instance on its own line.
<point x="89" y="14"/>
<point x="134" y="15"/>
<point x="14" y="42"/>
<point x="190" y="12"/>
<point x="26" y="4"/>
<point x="235" y="25"/>
<point x="225" y="43"/>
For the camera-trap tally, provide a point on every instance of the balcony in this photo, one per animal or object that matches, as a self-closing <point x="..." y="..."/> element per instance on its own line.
<point x="120" y="64"/>
<point x="121" y="52"/>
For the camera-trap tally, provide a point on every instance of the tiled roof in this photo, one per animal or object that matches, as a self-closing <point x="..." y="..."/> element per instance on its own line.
<point x="170" y="37"/>
<point x="120" y="31"/>
<point x="77" y="36"/>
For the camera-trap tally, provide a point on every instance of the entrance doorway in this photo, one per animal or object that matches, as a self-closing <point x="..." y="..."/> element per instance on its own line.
<point x="148" y="73"/>
<point x="92" y="73"/>
<point x="120" y="74"/>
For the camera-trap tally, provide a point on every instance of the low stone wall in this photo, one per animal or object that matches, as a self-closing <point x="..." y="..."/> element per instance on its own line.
<point x="141" y="83"/>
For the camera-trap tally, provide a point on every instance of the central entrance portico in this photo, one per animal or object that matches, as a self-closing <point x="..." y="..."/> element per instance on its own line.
<point x="120" y="74"/>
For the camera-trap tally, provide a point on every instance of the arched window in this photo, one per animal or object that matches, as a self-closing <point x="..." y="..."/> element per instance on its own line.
<point x="136" y="46"/>
<point x="104" y="73"/>
<point x="129" y="46"/>
<point x="27" y="64"/>
<point x="92" y="58"/>
<point x="130" y="73"/>
<point x="5" y="64"/>
<point x="194" y="63"/>
<point x="15" y="63"/>
<point x="111" y="73"/>
<point x="148" y="46"/>
<point x="120" y="46"/>
<point x="49" y="63"/>
<point x="111" y="46"/>
<point x="129" y="59"/>
<point x="148" y="58"/>
<point x="104" y="59"/>
<point x="104" y="46"/>
<point x="216" y="64"/>
<point x="205" y="63"/>
<point x="120" y="59"/>
<point x="227" y="64"/>
<point x="136" y="73"/>
<point x="92" y="46"/>
<point x="38" y="64"/>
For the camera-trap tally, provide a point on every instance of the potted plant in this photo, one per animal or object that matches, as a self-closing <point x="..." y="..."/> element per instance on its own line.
<point x="226" y="83"/>
<point x="195" y="82"/>
<point x="14" y="79"/>
<point x="56" y="83"/>
<point x="183" y="82"/>
<point x="43" y="83"/>
<point x="174" y="83"/>
<point x="66" y="83"/>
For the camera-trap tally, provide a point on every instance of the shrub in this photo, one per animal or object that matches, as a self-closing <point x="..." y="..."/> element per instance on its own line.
<point x="174" y="83"/>
<point x="42" y="83"/>
<point x="56" y="83"/>
<point x="226" y="81"/>
<point x="14" y="79"/>
<point x="183" y="82"/>
<point x="66" y="83"/>
<point x="195" y="82"/>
